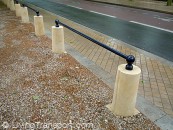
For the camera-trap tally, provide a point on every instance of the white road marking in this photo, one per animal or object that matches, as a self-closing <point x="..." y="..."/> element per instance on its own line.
<point x="93" y="11"/>
<point x="156" y="16"/>
<point x="102" y="14"/>
<point x="74" y="7"/>
<point x="165" y="19"/>
<point x="152" y="26"/>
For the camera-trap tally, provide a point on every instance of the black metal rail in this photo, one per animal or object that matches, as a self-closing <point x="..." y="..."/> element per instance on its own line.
<point x="129" y="58"/>
<point x="24" y="5"/>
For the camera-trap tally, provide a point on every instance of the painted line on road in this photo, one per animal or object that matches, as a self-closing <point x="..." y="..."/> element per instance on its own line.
<point x="74" y="7"/>
<point x="152" y="26"/>
<point x="102" y="14"/>
<point x="93" y="11"/>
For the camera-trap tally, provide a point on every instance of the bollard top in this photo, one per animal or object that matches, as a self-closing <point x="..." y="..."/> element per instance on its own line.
<point x="130" y="60"/>
<point x="57" y="23"/>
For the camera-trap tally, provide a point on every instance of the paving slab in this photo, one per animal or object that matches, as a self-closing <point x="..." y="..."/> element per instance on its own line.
<point x="165" y="123"/>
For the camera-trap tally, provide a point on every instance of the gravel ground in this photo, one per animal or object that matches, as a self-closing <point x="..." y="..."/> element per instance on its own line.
<point x="43" y="90"/>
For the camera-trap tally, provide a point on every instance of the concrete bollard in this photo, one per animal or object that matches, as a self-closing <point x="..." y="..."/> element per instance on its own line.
<point x="8" y="3"/>
<point x="58" y="40"/>
<point x="24" y="14"/>
<point x="39" y="25"/>
<point x="125" y="91"/>
<point x="18" y="8"/>
<point x="5" y="2"/>
<point x="12" y="7"/>
<point x="2" y="1"/>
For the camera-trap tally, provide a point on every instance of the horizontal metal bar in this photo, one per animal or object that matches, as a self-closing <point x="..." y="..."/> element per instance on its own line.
<point x="24" y="5"/>
<point x="95" y="41"/>
<point x="129" y="58"/>
<point x="36" y="11"/>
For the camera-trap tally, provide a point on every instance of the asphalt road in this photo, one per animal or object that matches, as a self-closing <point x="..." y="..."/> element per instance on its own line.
<point x="150" y="39"/>
<point x="152" y="18"/>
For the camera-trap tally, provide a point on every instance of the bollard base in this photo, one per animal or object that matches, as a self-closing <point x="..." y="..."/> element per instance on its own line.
<point x="63" y="52"/>
<point x="135" y="112"/>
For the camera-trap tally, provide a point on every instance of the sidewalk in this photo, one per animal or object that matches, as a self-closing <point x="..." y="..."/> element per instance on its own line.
<point x="43" y="90"/>
<point x="153" y="5"/>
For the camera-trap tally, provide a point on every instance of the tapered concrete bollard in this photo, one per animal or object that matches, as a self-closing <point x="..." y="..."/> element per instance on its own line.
<point x="18" y="10"/>
<point x="58" y="39"/>
<point x="12" y="7"/>
<point x="39" y="25"/>
<point x="24" y="14"/>
<point x="8" y="3"/>
<point x="125" y="91"/>
<point x="5" y="2"/>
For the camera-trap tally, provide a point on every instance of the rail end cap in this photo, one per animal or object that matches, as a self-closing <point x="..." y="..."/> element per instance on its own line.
<point x="38" y="13"/>
<point x="57" y="22"/>
<point x="17" y="2"/>
<point x="23" y="5"/>
<point x="130" y="60"/>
